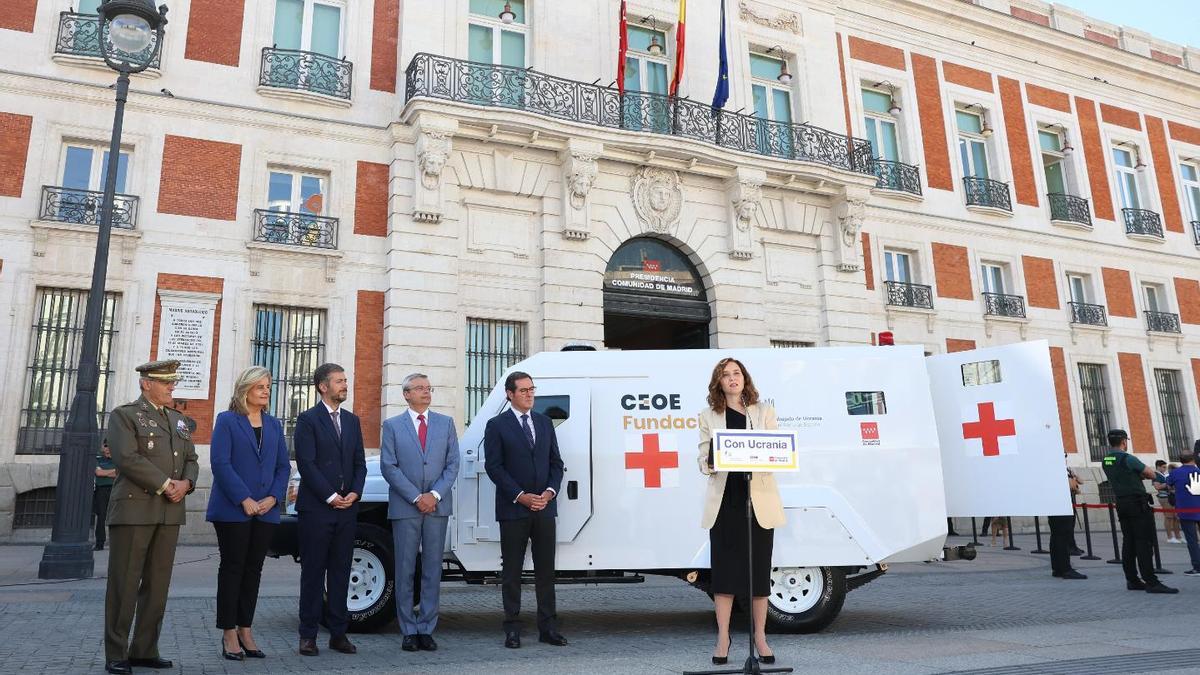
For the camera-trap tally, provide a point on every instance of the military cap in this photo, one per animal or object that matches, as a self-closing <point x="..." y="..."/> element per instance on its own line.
<point x="163" y="371"/>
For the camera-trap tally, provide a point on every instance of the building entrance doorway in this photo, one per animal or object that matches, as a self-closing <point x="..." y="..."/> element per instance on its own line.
<point x="654" y="298"/>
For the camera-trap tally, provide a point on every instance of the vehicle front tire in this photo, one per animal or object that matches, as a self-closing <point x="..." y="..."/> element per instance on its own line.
<point x="804" y="599"/>
<point x="371" y="598"/>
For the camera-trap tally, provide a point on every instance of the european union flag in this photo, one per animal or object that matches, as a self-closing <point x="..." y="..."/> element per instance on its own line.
<point x="721" y="95"/>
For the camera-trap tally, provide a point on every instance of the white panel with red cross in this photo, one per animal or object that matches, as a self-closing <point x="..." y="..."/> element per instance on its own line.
<point x="997" y="420"/>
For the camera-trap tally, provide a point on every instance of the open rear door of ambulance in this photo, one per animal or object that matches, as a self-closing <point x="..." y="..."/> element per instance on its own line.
<point x="997" y="421"/>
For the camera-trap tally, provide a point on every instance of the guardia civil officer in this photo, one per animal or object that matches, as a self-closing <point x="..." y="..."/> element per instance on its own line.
<point x="1125" y="475"/>
<point x="156" y="468"/>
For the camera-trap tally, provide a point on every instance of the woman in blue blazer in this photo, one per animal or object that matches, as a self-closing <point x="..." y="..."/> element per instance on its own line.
<point x="250" y="475"/>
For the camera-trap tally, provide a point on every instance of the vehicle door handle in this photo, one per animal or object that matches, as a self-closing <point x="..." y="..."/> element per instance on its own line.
<point x="572" y="489"/>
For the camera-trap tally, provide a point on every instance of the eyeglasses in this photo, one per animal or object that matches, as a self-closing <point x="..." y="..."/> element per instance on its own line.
<point x="527" y="390"/>
<point x="428" y="389"/>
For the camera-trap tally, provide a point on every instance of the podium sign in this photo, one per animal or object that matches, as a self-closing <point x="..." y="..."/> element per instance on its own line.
<point x="754" y="450"/>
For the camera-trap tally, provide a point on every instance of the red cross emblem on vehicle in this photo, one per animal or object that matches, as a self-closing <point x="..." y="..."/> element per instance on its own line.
<point x="658" y="467"/>
<point x="988" y="429"/>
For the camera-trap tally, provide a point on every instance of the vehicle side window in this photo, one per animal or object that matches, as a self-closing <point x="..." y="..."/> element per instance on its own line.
<point x="866" y="403"/>
<point x="980" y="372"/>
<point x="557" y="408"/>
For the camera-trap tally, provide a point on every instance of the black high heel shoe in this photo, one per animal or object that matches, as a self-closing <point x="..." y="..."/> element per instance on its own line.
<point x="251" y="653"/>
<point x="232" y="656"/>
<point x="766" y="659"/>
<point x="722" y="660"/>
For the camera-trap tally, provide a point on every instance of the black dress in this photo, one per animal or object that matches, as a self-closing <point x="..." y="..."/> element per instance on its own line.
<point x="727" y="538"/>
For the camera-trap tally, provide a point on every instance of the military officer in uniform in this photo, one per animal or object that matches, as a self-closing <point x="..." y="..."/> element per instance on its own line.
<point x="1125" y="475"/>
<point x="156" y="468"/>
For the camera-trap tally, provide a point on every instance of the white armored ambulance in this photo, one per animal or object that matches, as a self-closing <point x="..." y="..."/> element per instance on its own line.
<point x="891" y="443"/>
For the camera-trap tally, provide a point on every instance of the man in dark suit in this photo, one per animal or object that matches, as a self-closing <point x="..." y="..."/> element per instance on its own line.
<point x="333" y="470"/>
<point x="521" y="457"/>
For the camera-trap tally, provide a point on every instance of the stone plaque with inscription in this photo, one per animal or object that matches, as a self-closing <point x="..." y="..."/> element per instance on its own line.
<point x="185" y="333"/>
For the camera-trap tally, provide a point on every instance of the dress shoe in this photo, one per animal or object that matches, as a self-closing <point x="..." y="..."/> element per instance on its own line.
<point x="1077" y="551"/>
<point x="553" y="638"/>
<point x="1135" y="585"/>
<point x="251" y="653"/>
<point x="343" y="645"/>
<point x="151" y="662"/>
<point x="308" y="647"/>
<point x="512" y="640"/>
<point x="1073" y="574"/>
<point x="722" y="660"/>
<point x="99" y="546"/>
<point x="1160" y="588"/>
<point x="118" y="667"/>
<point x="426" y="643"/>
<point x="231" y="656"/>
<point x="409" y="643"/>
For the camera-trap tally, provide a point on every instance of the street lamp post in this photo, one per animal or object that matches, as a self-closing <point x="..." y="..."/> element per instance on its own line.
<point x="130" y="36"/>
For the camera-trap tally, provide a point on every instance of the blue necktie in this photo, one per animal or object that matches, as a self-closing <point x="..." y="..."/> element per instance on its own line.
<point x="528" y="430"/>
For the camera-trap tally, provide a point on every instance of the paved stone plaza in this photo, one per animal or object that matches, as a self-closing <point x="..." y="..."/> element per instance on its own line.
<point x="1002" y="613"/>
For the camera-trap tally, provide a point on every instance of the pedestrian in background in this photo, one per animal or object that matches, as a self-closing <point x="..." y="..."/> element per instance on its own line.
<point x="250" y="474"/>
<point x="1062" y="538"/>
<point x="106" y="473"/>
<point x="1163" y="495"/>
<point x="1185" y="480"/>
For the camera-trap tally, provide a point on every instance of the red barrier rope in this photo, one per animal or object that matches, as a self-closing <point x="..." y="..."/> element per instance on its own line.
<point x="1156" y="510"/>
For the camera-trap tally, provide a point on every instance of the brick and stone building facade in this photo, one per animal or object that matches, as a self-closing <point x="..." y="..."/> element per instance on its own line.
<point x="402" y="185"/>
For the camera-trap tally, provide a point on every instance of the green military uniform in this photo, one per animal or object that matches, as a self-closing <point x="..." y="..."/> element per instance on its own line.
<point x="150" y="446"/>
<point x="1124" y="472"/>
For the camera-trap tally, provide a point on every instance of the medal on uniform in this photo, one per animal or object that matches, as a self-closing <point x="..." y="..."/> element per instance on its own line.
<point x="150" y="445"/>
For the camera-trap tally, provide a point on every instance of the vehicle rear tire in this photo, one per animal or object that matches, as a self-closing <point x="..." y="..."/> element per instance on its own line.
<point x="371" y="598"/>
<point x="804" y="599"/>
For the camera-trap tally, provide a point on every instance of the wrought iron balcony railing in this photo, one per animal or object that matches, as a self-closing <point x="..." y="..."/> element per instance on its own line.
<point x="1143" y="221"/>
<point x="79" y="35"/>
<point x="1088" y="314"/>
<point x="295" y="229"/>
<point x="306" y="71"/>
<point x="440" y="77"/>
<point x="82" y="207"/>
<point x="896" y="176"/>
<point x="904" y="294"/>
<point x="1196" y="231"/>
<point x="987" y="192"/>
<point x="1000" y="304"/>
<point x="1162" y="322"/>
<point x="1069" y="209"/>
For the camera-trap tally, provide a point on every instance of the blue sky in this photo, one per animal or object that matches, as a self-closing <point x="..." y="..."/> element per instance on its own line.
<point x="1174" y="20"/>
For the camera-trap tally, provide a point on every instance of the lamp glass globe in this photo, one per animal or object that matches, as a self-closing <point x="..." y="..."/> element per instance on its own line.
<point x="130" y="33"/>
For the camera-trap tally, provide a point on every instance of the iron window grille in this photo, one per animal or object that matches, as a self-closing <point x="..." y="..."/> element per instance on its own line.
<point x="35" y="509"/>
<point x="54" y="349"/>
<point x="493" y="346"/>
<point x="1170" y="397"/>
<point x="896" y="176"/>
<point x="1143" y="221"/>
<point x="79" y="35"/>
<point x="987" y="192"/>
<point x="306" y="71"/>
<point x="904" y="294"/>
<point x="295" y="229"/>
<point x="83" y="207"/>
<point x="497" y="86"/>
<point x="289" y="342"/>
<point x="1001" y="304"/>
<point x="1196" y="232"/>
<point x="1094" y="388"/>
<point x="1069" y="208"/>
<point x="789" y="344"/>
<point x="1163" y="322"/>
<point x="1088" y="314"/>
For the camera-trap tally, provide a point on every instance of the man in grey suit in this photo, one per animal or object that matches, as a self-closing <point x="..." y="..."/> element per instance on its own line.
<point x="419" y="461"/>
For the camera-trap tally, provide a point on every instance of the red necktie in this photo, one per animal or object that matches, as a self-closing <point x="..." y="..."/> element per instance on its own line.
<point x="422" y="430"/>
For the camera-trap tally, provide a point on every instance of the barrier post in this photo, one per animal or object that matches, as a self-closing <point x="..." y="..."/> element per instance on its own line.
<point x="1112" y="523"/>
<point x="1011" y="546"/>
<point x="1037" y="531"/>
<point x="1158" y="568"/>
<point x="974" y="533"/>
<point x="1087" y="534"/>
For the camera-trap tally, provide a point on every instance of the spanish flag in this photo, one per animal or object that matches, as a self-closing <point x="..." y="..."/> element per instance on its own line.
<point x="679" y="35"/>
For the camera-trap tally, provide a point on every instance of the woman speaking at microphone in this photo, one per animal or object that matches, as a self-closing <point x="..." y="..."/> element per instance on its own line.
<point x="733" y="404"/>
